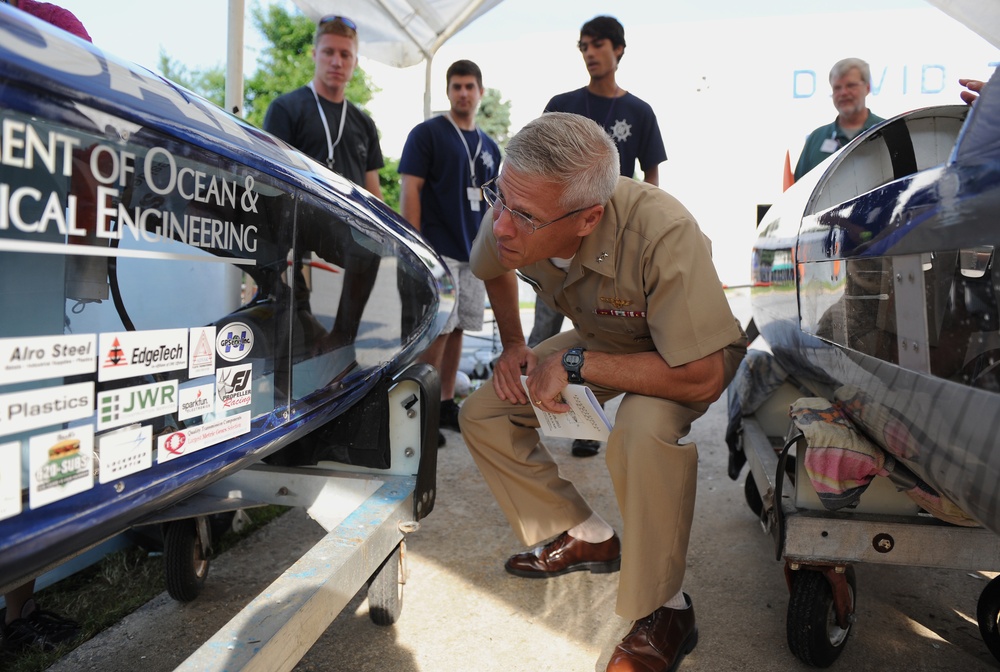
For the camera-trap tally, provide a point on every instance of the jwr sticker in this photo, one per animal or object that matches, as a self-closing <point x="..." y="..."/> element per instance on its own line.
<point x="128" y="354"/>
<point x="232" y="386"/>
<point x="235" y="341"/>
<point x="61" y="464"/>
<point x="21" y="411"/>
<point x="132" y="404"/>
<point x="10" y="479"/>
<point x="123" y="452"/>
<point x="193" y="439"/>
<point x="26" y="359"/>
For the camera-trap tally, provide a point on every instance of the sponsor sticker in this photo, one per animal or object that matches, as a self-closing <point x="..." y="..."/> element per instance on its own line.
<point x="232" y="386"/>
<point x="40" y="357"/>
<point x="193" y="439"/>
<point x="196" y="401"/>
<point x="61" y="464"/>
<point x="21" y="411"/>
<point x="136" y="353"/>
<point x="133" y="404"/>
<point x="235" y="341"/>
<point x="123" y="452"/>
<point x="10" y="479"/>
<point x="202" y="362"/>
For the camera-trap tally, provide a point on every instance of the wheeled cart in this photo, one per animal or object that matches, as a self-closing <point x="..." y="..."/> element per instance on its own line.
<point x="820" y="547"/>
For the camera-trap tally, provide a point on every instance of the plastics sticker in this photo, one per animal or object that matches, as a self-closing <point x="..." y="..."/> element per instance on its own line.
<point x="61" y="464"/>
<point x="31" y="409"/>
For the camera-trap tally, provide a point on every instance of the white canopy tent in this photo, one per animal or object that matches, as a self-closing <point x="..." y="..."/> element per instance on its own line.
<point x="399" y="33"/>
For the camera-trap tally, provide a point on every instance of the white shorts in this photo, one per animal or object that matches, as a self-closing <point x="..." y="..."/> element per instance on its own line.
<point x="470" y="298"/>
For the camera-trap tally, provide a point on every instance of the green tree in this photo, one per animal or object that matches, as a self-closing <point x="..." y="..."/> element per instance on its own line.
<point x="494" y="117"/>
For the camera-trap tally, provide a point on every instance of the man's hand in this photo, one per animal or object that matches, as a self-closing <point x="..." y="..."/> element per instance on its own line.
<point x="974" y="87"/>
<point x="516" y="360"/>
<point x="547" y="381"/>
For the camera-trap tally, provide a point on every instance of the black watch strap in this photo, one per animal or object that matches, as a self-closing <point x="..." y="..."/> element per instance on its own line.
<point x="573" y="363"/>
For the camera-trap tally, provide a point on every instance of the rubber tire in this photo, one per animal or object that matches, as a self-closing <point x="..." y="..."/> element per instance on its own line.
<point x="184" y="560"/>
<point x="988" y="615"/>
<point x="813" y="634"/>
<point x="752" y="494"/>
<point x="385" y="590"/>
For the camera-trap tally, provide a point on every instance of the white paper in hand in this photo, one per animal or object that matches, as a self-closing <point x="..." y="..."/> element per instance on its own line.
<point x="584" y="420"/>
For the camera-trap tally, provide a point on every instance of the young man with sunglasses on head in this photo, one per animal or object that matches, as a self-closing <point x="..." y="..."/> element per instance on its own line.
<point x="319" y="121"/>
<point x="631" y="123"/>
<point x="651" y="321"/>
<point x="446" y="160"/>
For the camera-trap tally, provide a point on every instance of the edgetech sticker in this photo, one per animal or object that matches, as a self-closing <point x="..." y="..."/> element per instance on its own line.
<point x="21" y="411"/>
<point x="133" y="404"/>
<point x="61" y="464"/>
<point x="126" y="354"/>
<point x="10" y="479"/>
<point x="41" y="357"/>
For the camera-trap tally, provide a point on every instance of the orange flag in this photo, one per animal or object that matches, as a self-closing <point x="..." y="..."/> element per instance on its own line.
<point x="787" y="179"/>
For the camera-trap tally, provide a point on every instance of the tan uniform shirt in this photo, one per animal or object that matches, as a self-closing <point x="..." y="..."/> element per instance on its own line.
<point x="649" y="263"/>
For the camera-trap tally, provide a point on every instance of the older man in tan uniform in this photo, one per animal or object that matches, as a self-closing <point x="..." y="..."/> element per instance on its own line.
<point x="628" y="264"/>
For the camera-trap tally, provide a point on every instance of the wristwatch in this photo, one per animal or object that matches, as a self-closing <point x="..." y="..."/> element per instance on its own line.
<point x="573" y="362"/>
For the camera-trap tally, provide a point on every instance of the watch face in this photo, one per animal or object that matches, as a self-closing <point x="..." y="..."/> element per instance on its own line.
<point x="573" y="359"/>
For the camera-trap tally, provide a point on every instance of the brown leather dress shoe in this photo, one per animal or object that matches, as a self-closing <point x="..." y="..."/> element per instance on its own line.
<point x="658" y="642"/>
<point x="566" y="554"/>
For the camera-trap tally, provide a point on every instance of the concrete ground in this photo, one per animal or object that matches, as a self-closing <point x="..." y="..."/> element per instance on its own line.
<point x="463" y="612"/>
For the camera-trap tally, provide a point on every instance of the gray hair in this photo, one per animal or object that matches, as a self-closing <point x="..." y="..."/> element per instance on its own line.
<point x="842" y="67"/>
<point x="570" y="150"/>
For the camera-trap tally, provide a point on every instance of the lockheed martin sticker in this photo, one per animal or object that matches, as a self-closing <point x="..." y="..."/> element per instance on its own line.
<point x="196" y="400"/>
<point x="123" y="452"/>
<point x="41" y="357"/>
<point x="129" y="354"/>
<point x="193" y="439"/>
<point x="232" y="386"/>
<point x="132" y="404"/>
<point x="202" y="361"/>
<point x="21" y="411"/>
<point x="235" y="341"/>
<point x="61" y="464"/>
<point x="10" y="479"/>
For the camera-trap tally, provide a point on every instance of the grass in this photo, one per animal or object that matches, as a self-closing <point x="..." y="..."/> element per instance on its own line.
<point x="108" y="591"/>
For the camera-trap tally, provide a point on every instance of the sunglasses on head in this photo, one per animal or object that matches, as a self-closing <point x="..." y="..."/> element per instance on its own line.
<point x="342" y="19"/>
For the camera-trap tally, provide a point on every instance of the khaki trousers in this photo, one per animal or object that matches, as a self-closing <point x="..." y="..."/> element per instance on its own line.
<point x="654" y="477"/>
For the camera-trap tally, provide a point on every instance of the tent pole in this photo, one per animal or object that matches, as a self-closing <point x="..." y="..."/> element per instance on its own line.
<point x="427" y="87"/>
<point x="234" y="58"/>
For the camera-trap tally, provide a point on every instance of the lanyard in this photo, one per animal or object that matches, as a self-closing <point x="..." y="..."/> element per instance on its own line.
<point x="468" y="151"/>
<point x="330" y="144"/>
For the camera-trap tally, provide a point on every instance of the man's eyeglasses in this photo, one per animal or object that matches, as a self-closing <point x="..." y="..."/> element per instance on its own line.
<point x="342" y="19"/>
<point x="525" y="223"/>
